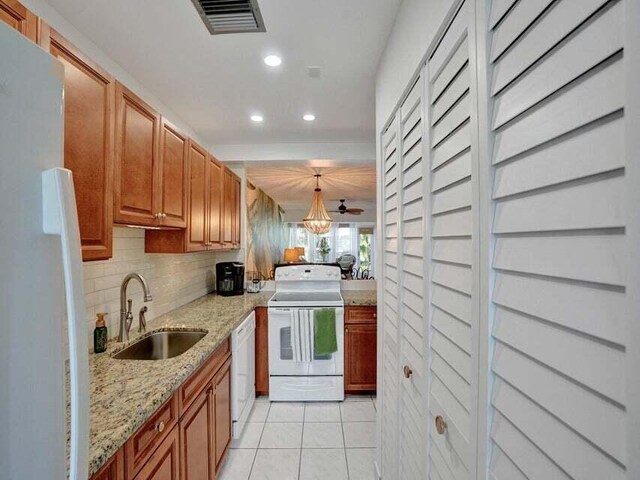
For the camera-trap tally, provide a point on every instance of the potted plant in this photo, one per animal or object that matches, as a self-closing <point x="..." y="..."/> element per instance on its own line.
<point x="324" y="248"/>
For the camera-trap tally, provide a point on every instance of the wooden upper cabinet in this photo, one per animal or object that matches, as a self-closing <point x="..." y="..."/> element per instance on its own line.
<point x="237" y="212"/>
<point x="17" y="16"/>
<point x="214" y="215"/>
<point x="173" y="184"/>
<point x="197" y="437"/>
<point x="198" y="168"/>
<point x="137" y="160"/>
<point x="227" y="207"/>
<point x="89" y="120"/>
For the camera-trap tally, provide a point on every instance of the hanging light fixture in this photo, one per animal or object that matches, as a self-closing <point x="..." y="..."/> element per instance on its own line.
<point x="318" y="220"/>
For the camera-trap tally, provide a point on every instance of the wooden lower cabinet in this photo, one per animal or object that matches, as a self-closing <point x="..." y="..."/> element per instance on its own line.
<point x="113" y="469"/>
<point x="164" y="464"/>
<point x="360" y="349"/>
<point x="262" y="351"/>
<point x="188" y="437"/>
<point x="197" y="438"/>
<point x="222" y="388"/>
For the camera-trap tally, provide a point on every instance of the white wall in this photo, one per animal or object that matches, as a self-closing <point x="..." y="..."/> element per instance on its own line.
<point x="50" y="15"/>
<point x="416" y="24"/>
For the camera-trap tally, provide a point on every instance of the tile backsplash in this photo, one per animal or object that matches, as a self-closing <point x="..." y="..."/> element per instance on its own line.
<point x="173" y="279"/>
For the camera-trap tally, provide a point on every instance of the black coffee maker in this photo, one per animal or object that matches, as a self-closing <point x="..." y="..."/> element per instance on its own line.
<point x="230" y="278"/>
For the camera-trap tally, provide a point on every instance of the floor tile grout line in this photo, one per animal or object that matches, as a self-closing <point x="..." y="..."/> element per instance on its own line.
<point x="344" y="443"/>
<point x="259" y="440"/>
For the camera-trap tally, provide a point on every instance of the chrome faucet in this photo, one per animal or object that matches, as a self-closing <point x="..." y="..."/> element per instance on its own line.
<point x="126" y="316"/>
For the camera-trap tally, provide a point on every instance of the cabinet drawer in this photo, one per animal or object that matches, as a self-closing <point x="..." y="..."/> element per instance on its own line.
<point x="143" y="443"/>
<point x="360" y="314"/>
<point x="201" y="377"/>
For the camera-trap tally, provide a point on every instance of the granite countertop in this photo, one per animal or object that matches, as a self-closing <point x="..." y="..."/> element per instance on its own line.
<point x="359" y="297"/>
<point x="125" y="393"/>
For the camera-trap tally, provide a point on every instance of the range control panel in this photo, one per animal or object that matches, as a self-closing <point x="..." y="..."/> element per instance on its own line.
<point x="313" y="273"/>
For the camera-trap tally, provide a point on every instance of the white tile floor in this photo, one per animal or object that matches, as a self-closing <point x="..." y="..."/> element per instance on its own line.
<point x="305" y="441"/>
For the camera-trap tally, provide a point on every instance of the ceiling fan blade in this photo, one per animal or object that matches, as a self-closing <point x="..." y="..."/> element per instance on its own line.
<point x="355" y="211"/>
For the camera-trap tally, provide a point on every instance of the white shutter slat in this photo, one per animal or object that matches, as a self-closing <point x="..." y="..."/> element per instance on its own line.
<point x="597" y="150"/>
<point x="455" y="383"/>
<point x="596" y="312"/>
<point x="458" y="61"/>
<point x="522" y="451"/>
<point x="589" y="258"/>
<point x="596" y="96"/>
<point x="454" y="198"/>
<point x="458" y="142"/>
<point x="571" y="452"/>
<point x="452" y="172"/>
<point x="456" y="33"/>
<point x="551" y="28"/>
<point x="559" y="396"/>
<point x="499" y="8"/>
<point x="504" y="468"/>
<point x="452" y="328"/>
<point x="588" y="47"/>
<point x="456" y="277"/>
<point x="585" y="360"/>
<point x="454" y="224"/>
<point x="455" y="117"/>
<point x="599" y="204"/>
<point x="453" y="355"/>
<point x="458" y="87"/>
<point x="522" y="15"/>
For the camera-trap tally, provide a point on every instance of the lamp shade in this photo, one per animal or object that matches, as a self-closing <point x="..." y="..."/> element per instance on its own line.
<point x="291" y="255"/>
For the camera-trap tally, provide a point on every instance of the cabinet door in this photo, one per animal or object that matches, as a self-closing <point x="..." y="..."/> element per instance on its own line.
<point x="165" y="462"/>
<point x="173" y="185"/>
<point x="89" y="101"/>
<point x="215" y="204"/>
<point x="113" y="469"/>
<point x="262" y="351"/>
<point x="227" y="211"/>
<point x="223" y="412"/>
<point x="136" y="166"/>
<point x="14" y="14"/>
<point x="237" y="212"/>
<point x="360" y="358"/>
<point x="197" y="228"/>
<point x="197" y="449"/>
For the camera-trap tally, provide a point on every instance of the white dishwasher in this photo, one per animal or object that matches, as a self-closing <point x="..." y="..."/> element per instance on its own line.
<point x="243" y="372"/>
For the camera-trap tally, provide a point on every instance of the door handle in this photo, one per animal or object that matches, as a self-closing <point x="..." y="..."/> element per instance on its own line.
<point x="441" y="425"/>
<point x="407" y="371"/>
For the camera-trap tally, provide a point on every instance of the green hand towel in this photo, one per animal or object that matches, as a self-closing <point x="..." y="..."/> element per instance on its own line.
<point x="324" y="334"/>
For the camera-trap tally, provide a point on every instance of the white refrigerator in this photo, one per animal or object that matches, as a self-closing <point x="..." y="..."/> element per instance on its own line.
<point x="43" y="330"/>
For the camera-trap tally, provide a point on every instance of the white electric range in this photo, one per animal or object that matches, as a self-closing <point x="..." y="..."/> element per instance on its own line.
<point x="304" y="287"/>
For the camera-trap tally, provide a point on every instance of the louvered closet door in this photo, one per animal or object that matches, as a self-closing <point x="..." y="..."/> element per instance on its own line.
<point x="560" y="254"/>
<point x="413" y="345"/>
<point x="391" y="307"/>
<point x="453" y="311"/>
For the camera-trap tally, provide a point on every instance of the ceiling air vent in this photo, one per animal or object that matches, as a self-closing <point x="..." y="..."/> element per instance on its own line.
<point x="230" y="16"/>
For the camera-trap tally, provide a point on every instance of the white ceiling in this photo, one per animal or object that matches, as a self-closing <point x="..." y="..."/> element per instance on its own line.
<point x="214" y="83"/>
<point x="293" y="187"/>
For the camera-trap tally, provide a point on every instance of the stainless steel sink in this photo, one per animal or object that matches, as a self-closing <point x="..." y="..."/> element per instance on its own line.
<point x="161" y="345"/>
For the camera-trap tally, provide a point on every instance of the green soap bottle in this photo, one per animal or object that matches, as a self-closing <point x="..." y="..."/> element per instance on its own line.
<point x="100" y="334"/>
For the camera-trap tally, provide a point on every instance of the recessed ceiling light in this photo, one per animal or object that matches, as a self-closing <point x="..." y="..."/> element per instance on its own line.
<point x="256" y="118"/>
<point x="272" y="60"/>
<point x="309" y="117"/>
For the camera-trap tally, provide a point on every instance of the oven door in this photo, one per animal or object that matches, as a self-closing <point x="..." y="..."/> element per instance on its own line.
<point x="281" y="354"/>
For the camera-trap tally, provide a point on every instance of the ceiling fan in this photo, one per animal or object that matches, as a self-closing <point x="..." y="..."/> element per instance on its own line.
<point x="342" y="209"/>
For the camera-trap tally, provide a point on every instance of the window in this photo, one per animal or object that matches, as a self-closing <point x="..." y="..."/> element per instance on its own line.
<point x="356" y="239"/>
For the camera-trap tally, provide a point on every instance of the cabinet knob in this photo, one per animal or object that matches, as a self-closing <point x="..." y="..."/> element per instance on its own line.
<point x="156" y="215"/>
<point x="441" y="425"/>
<point x="163" y="215"/>
<point x="159" y="427"/>
<point x="346" y="330"/>
<point x="407" y="371"/>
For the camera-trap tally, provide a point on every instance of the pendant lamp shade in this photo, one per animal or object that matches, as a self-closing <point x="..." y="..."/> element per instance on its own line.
<point x="317" y="220"/>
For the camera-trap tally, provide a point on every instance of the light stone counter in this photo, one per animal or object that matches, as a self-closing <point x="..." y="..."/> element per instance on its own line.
<point x="125" y="393"/>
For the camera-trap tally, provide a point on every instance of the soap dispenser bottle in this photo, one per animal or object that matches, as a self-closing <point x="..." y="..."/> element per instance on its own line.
<point x="100" y="334"/>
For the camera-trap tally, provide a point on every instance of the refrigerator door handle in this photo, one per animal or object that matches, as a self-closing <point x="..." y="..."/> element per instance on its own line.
<point x="60" y="218"/>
